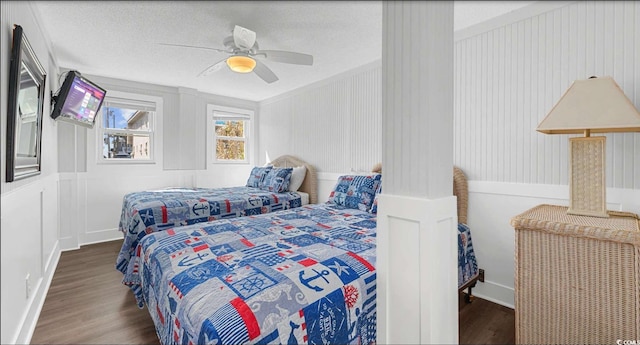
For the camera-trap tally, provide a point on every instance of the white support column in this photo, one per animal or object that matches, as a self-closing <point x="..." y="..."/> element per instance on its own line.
<point x="417" y="219"/>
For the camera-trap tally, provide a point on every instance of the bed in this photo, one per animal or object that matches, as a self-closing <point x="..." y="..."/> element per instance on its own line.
<point x="468" y="272"/>
<point x="149" y="211"/>
<point x="298" y="276"/>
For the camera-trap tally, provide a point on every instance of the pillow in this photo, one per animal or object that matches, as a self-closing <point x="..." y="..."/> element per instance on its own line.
<point x="277" y="180"/>
<point x="374" y="205"/>
<point x="297" y="177"/>
<point x="256" y="178"/>
<point x="355" y="191"/>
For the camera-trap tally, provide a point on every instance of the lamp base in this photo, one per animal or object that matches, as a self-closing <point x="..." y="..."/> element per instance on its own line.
<point x="586" y="177"/>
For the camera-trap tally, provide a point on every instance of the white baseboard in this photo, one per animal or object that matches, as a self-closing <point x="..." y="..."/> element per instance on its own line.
<point x="28" y="324"/>
<point x="68" y="243"/>
<point x="101" y="236"/>
<point x="494" y="292"/>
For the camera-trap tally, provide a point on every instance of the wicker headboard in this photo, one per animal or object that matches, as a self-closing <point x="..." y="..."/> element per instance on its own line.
<point x="310" y="183"/>
<point x="460" y="190"/>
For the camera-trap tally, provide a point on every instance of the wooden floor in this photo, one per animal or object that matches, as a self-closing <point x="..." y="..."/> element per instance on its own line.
<point x="484" y="322"/>
<point x="87" y="304"/>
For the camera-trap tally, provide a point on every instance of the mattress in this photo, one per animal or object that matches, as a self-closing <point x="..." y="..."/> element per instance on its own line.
<point x="304" y="198"/>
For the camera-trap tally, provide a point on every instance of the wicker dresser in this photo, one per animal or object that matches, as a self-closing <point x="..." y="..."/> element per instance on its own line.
<point x="577" y="278"/>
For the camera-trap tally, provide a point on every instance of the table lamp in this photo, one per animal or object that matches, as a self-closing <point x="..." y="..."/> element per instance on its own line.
<point x="594" y="105"/>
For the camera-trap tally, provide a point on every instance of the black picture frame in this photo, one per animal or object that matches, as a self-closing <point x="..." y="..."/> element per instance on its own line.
<point x="25" y="106"/>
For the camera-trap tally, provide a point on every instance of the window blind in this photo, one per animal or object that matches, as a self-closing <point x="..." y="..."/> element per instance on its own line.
<point x="125" y="103"/>
<point x="231" y="116"/>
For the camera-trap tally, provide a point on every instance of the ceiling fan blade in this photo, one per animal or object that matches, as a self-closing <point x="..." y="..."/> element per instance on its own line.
<point x="198" y="47"/>
<point x="213" y="68"/>
<point x="264" y="72"/>
<point x="287" y="57"/>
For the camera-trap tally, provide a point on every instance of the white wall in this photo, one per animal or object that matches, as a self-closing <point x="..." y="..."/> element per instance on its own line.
<point x="29" y="212"/>
<point x="335" y="124"/>
<point x="509" y="78"/>
<point x="509" y="73"/>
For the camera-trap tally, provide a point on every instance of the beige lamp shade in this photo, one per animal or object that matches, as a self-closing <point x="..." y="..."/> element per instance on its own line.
<point x="597" y="105"/>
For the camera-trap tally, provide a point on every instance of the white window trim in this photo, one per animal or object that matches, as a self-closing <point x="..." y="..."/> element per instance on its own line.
<point x="154" y="125"/>
<point x="214" y="112"/>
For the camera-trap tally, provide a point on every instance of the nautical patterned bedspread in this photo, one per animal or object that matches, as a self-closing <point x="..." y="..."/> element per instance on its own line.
<point x="151" y="211"/>
<point x="467" y="264"/>
<point x="300" y="276"/>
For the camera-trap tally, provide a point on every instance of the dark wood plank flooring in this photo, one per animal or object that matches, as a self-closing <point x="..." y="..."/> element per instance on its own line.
<point x="484" y="322"/>
<point x="87" y="304"/>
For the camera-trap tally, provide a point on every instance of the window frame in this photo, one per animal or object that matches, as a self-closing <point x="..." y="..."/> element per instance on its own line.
<point x="216" y="112"/>
<point x="135" y="101"/>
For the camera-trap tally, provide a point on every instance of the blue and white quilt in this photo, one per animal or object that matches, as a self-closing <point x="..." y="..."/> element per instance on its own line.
<point x="467" y="264"/>
<point x="146" y="212"/>
<point x="300" y="276"/>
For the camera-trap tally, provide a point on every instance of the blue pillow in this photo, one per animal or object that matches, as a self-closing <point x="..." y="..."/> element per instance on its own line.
<point x="355" y="191"/>
<point x="256" y="178"/>
<point x="277" y="180"/>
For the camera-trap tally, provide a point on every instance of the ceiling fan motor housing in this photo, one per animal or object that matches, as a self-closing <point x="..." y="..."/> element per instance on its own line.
<point x="243" y="38"/>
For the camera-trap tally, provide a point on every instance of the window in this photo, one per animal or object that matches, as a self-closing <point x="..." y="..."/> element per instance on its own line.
<point x="229" y="133"/>
<point x="127" y="128"/>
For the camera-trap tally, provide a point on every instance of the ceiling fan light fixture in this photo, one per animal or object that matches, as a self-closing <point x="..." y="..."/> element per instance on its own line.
<point x="241" y="63"/>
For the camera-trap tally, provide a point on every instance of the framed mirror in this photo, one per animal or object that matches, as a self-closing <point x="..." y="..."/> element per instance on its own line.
<point x="24" y="109"/>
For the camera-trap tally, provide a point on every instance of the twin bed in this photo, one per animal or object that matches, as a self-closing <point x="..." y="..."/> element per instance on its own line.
<point x="150" y="211"/>
<point x="302" y="275"/>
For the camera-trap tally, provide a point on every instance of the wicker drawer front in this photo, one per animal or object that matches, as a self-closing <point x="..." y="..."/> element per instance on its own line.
<point x="573" y="290"/>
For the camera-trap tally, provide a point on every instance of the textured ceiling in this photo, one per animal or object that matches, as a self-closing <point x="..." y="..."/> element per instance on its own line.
<point x="121" y="40"/>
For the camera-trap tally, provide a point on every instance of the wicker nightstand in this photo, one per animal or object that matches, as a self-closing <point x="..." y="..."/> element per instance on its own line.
<point x="577" y="278"/>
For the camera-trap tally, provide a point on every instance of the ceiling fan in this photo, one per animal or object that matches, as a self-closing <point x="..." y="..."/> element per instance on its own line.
<point x="243" y="49"/>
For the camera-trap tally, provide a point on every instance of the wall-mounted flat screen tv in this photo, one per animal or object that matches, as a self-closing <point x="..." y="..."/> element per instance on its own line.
<point x="78" y="100"/>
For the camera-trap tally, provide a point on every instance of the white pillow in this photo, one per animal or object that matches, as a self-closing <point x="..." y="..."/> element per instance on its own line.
<point x="297" y="177"/>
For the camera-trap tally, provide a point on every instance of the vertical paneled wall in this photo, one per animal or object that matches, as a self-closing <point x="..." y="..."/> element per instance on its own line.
<point x="334" y="125"/>
<point x="507" y="79"/>
<point x="418" y="98"/>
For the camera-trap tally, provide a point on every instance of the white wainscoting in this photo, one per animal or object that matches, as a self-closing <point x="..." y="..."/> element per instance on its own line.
<point x="223" y="175"/>
<point x="326" y="182"/>
<point x="91" y="203"/>
<point x="30" y="248"/>
<point x="491" y="207"/>
<point x="415" y="264"/>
